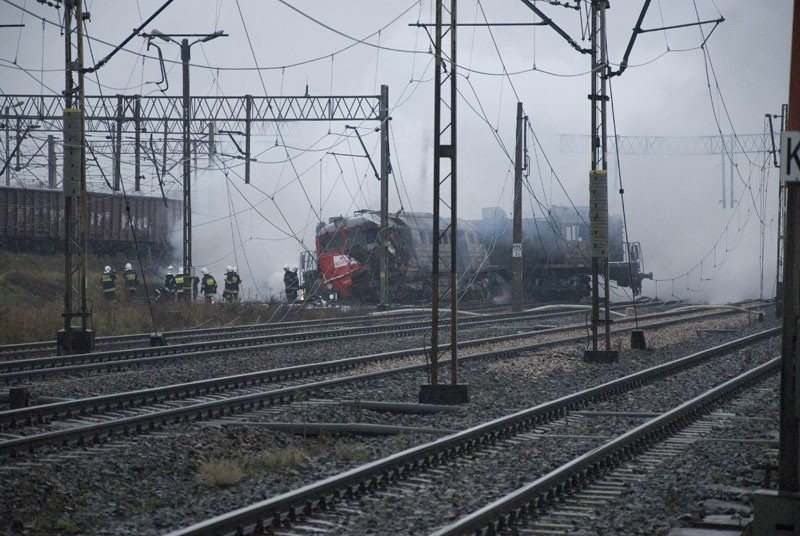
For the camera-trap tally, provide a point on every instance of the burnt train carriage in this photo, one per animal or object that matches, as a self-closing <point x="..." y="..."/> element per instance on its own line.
<point x="556" y="262"/>
<point x="33" y="220"/>
<point x="348" y="262"/>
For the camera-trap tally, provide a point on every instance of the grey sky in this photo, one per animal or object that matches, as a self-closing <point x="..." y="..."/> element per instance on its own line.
<point x="672" y="88"/>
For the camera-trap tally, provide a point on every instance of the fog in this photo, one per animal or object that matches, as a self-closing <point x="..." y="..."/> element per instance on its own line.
<point x="697" y="249"/>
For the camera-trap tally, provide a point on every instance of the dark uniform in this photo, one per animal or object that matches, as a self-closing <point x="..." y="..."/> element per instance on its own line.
<point x="291" y="282"/>
<point x="180" y="286"/>
<point x="131" y="280"/>
<point x="109" y="282"/>
<point x="232" y="282"/>
<point x="208" y="286"/>
<point x="169" y="282"/>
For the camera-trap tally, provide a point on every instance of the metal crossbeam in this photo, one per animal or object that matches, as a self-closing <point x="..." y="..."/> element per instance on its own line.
<point x="228" y="113"/>
<point x="677" y="145"/>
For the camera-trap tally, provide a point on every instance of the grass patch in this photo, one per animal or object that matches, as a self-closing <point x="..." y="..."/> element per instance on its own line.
<point x="151" y="504"/>
<point x="275" y="460"/>
<point x="68" y="526"/>
<point x="222" y="473"/>
<point x="352" y="451"/>
<point x="31" y="310"/>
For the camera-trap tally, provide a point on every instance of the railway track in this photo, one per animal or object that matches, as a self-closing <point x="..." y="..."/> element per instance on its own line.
<point x="567" y="499"/>
<point x="359" y="406"/>
<point x="15" y="372"/>
<point x="143" y="410"/>
<point x="25" y="351"/>
<point x="143" y="340"/>
<point x="337" y="502"/>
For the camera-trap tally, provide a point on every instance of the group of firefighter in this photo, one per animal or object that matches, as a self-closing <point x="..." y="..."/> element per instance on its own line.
<point x="177" y="286"/>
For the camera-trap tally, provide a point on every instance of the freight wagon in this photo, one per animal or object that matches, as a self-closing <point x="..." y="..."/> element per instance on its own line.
<point x="33" y="220"/>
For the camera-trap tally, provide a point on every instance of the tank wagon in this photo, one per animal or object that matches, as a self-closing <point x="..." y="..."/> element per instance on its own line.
<point x="33" y="220"/>
<point x="556" y="265"/>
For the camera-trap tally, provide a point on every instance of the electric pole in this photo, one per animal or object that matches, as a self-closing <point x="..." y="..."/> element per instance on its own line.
<point x="777" y="512"/>
<point x="74" y="339"/>
<point x="435" y="392"/>
<point x="383" y="117"/>
<point x="187" y="144"/>
<point x="598" y="185"/>
<point x="516" y="248"/>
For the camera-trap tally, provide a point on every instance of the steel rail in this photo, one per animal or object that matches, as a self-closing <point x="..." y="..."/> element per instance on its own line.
<point x="14" y="370"/>
<point x="254" y="400"/>
<point x="144" y="338"/>
<point x="534" y="498"/>
<point x="290" y="505"/>
<point x="262" y="334"/>
<point x="188" y="334"/>
<point x="93" y="405"/>
<point x="123" y="359"/>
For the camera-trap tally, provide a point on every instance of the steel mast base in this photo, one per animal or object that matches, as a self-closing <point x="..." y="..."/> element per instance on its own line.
<point x="638" y="340"/>
<point x="776" y="513"/>
<point x="445" y="394"/>
<point x="600" y="356"/>
<point x="74" y="341"/>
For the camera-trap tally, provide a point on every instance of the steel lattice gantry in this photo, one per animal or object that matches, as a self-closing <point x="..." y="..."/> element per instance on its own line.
<point x="673" y="145"/>
<point x="121" y="117"/>
<point x="136" y="116"/>
<point x="228" y="113"/>
<point x="725" y="146"/>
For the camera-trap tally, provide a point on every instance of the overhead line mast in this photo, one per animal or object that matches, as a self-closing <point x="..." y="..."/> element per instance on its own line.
<point x="598" y="175"/>
<point x="435" y="392"/>
<point x="74" y="339"/>
<point x="777" y="511"/>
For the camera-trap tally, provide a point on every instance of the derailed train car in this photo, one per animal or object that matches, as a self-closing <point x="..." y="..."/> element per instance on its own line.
<point x="556" y="265"/>
<point x="348" y="263"/>
<point x="33" y="220"/>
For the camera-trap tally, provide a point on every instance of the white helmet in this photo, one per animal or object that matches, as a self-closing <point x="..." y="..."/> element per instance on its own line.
<point x="204" y="271"/>
<point x="128" y="266"/>
<point x="285" y="266"/>
<point x="234" y="269"/>
<point x="228" y="269"/>
<point x="169" y="269"/>
<point x="294" y="268"/>
<point x="180" y="271"/>
<point x="107" y="270"/>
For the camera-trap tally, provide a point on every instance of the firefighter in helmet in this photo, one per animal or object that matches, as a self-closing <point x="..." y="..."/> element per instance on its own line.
<point x="109" y="282"/>
<point x="232" y="282"/>
<point x="291" y="282"/>
<point x="131" y="279"/>
<point x="180" y="285"/>
<point x="169" y="281"/>
<point x="208" y="285"/>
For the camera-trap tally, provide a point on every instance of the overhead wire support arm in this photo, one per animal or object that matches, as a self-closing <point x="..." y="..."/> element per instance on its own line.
<point x="716" y="23"/>
<point x="774" y="150"/>
<point x="230" y="134"/>
<point x="127" y="39"/>
<point x="639" y="30"/>
<point x="366" y="152"/>
<point x="636" y="31"/>
<point x="556" y="27"/>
